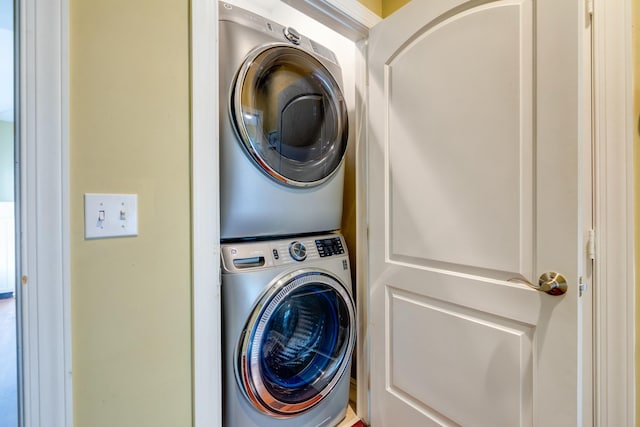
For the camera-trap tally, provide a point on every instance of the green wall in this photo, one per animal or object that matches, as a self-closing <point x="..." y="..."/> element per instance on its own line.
<point x="130" y="133"/>
<point x="6" y="162"/>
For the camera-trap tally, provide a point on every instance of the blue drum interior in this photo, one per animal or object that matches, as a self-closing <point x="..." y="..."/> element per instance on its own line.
<point x="304" y="343"/>
<point x="299" y="338"/>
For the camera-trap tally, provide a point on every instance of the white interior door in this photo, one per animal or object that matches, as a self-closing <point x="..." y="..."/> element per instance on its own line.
<point x="474" y="180"/>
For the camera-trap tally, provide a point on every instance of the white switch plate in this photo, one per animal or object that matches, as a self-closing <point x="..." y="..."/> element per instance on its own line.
<point x="110" y="215"/>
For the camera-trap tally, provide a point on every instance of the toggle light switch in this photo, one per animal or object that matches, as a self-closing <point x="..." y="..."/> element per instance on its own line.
<point x="110" y="215"/>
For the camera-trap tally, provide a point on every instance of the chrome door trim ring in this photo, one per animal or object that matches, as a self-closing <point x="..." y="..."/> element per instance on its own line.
<point x="235" y="112"/>
<point x="247" y="365"/>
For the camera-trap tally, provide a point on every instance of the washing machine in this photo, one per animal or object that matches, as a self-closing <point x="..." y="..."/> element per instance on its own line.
<point x="289" y="332"/>
<point x="283" y="130"/>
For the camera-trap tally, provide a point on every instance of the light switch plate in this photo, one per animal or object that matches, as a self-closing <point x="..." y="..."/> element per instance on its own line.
<point x="110" y="215"/>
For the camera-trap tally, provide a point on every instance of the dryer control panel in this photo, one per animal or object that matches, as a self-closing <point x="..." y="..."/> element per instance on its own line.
<point x="231" y="13"/>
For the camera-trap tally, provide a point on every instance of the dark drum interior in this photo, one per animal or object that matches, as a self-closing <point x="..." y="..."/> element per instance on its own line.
<point x="291" y="115"/>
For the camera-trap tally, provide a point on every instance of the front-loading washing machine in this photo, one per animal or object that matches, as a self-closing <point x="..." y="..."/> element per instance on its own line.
<point x="289" y="332"/>
<point x="283" y="130"/>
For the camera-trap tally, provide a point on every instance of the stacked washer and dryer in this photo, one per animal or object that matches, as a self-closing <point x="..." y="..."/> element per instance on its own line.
<point x="288" y="310"/>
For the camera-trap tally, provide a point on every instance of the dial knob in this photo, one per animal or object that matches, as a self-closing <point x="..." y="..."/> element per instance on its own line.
<point x="292" y="35"/>
<point x="298" y="251"/>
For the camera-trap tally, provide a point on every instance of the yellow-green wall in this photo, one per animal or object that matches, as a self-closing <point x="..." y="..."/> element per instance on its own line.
<point x="129" y="133"/>
<point x="390" y="6"/>
<point x="384" y="8"/>
<point x="636" y="115"/>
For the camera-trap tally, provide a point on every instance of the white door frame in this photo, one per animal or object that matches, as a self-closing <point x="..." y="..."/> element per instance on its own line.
<point x="44" y="199"/>
<point x="43" y="132"/>
<point x="205" y="223"/>
<point x="614" y="290"/>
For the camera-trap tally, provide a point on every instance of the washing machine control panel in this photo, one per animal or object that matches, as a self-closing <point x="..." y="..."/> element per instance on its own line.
<point x="329" y="247"/>
<point x="244" y="256"/>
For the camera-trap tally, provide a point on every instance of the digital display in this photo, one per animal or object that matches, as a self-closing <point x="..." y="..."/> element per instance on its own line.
<point x="328" y="247"/>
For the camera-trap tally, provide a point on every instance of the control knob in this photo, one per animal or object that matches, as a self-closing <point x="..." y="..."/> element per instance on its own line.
<point x="292" y="35"/>
<point x="298" y="251"/>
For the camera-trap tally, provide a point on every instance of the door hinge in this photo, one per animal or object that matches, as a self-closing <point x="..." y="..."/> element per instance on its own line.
<point x="591" y="245"/>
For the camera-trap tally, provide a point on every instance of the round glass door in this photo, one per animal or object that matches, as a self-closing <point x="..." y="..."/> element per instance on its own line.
<point x="290" y="114"/>
<point x="297" y="344"/>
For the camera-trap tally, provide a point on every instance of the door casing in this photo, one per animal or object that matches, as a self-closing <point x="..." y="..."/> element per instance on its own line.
<point x="44" y="261"/>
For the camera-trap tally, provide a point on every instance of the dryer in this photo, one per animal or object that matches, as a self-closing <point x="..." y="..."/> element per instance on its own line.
<point x="289" y="332"/>
<point x="283" y="130"/>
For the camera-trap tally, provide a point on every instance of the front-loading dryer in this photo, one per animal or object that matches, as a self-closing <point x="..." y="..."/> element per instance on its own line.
<point x="283" y="130"/>
<point x="289" y="332"/>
